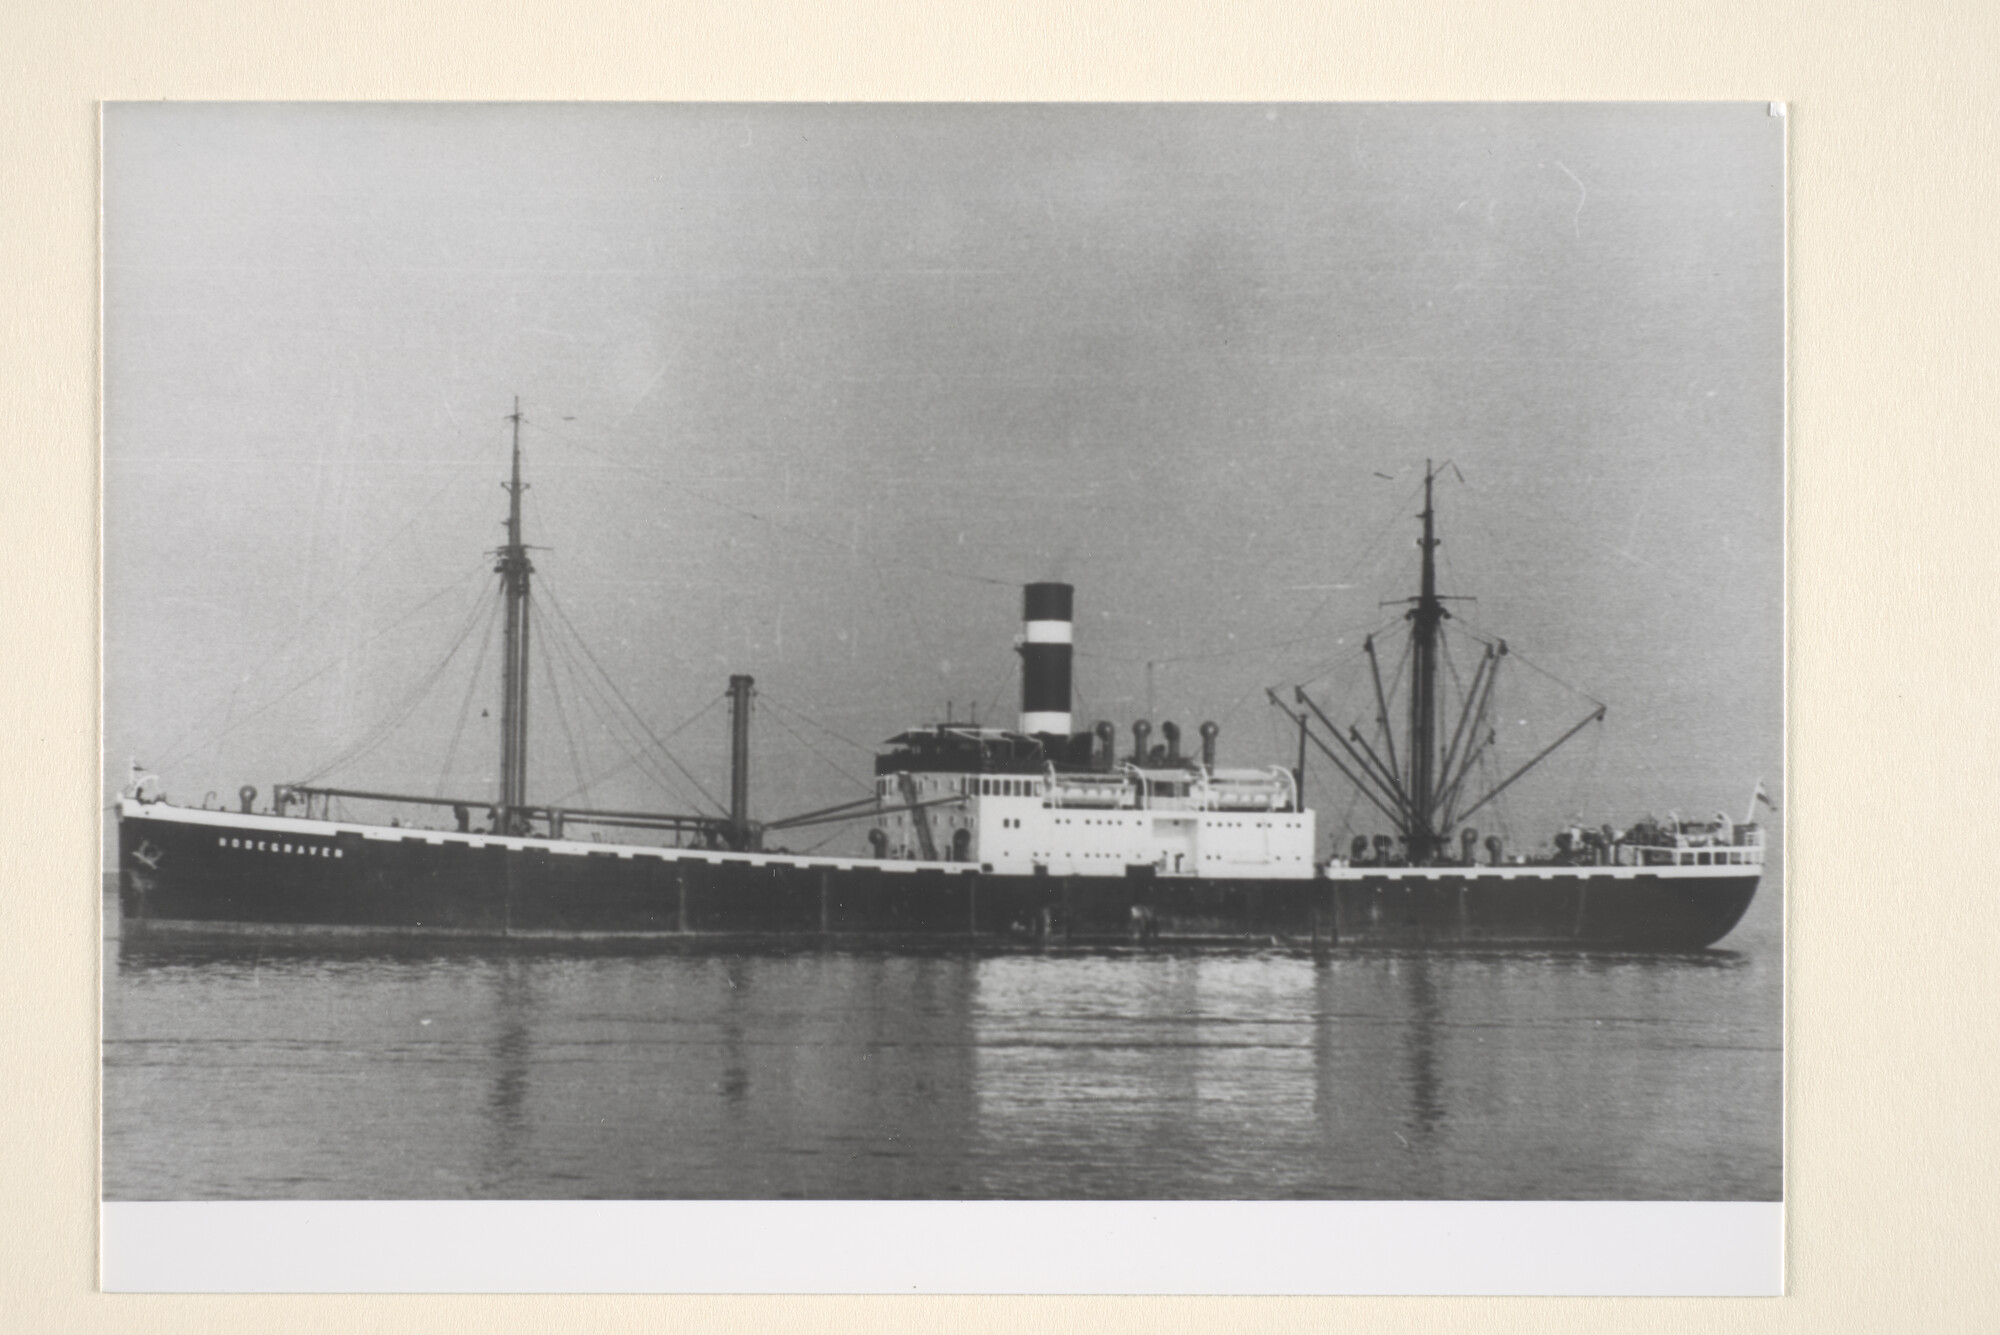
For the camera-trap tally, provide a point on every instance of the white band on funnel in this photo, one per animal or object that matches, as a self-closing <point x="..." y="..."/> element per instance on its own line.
<point x="1048" y="632"/>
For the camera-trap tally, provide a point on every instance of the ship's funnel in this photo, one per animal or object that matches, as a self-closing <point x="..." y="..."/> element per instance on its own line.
<point x="1046" y="646"/>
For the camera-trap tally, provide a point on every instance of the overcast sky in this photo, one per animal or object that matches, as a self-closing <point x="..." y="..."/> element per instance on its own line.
<point x="811" y="390"/>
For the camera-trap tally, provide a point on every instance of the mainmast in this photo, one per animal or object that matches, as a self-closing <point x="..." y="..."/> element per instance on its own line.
<point x="1425" y="798"/>
<point x="1424" y="619"/>
<point x="514" y="569"/>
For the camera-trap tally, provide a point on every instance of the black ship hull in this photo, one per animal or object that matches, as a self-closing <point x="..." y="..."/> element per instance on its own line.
<point x="210" y="871"/>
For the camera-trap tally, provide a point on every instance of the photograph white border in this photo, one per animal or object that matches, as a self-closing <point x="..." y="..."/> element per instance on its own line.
<point x="1607" y="1248"/>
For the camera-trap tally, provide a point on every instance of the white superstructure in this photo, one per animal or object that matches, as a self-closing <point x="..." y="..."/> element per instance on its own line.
<point x="1186" y="821"/>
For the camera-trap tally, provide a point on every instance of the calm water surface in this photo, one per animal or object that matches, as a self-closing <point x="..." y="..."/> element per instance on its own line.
<point x="287" y="1072"/>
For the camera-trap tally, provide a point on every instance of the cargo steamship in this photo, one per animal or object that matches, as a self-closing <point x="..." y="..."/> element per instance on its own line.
<point x="978" y="836"/>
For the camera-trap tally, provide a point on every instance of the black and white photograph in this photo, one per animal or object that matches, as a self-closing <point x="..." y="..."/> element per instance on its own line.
<point x="943" y="652"/>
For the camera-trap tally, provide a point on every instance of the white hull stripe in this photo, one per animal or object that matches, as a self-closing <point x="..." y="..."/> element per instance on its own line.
<point x="1049" y="632"/>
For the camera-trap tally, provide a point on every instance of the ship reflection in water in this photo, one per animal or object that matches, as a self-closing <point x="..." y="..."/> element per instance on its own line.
<point x="321" y="1072"/>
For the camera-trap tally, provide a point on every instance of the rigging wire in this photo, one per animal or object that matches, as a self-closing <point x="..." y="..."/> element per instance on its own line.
<point x="1322" y="668"/>
<point x="403" y="708"/>
<point x="591" y="702"/>
<point x="315" y="618"/>
<point x="608" y="718"/>
<point x="1366" y="551"/>
<point x="807" y="534"/>
<point x="182" y="752"/>
<point x="636" y="715"/>
<point x="631" y="761"/>
<point x="562" y="717"/>
<point x="616" y="724"/>
<point x="1516" y="655"/>
<point x="768" y="699"/>
<point x="1203" y="656"/>
<point x="465" y="708"/>
<point x="837" y="768"/>
<point x="614" y="710"/>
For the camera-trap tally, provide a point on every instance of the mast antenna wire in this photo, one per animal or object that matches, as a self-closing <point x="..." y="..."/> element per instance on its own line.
<point x="790" y="531"/>
<point x="591" y="654"/>
<point x="1362" y="553"/>
<point x="1199" y="657"/>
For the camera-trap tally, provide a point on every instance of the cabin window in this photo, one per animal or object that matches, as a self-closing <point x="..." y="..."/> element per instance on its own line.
<point x="1702" y="858"/>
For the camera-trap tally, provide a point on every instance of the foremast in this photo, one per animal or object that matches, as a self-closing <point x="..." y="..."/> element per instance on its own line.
<point x="514" y="570"/>
<point x="513" y="814"/>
